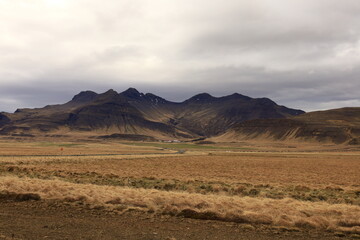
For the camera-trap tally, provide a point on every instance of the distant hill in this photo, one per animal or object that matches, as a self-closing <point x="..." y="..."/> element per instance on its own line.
<point x="132" y="112"/>
<point x="336" y="126"/>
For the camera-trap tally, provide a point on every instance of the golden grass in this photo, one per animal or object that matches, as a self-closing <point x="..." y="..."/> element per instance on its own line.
<point x="285" y="212"/>
<point x="299" y="192"/>
<point x="314" y="170"/>
<point x="295" y="189"/>
<point x="13" y="148"/>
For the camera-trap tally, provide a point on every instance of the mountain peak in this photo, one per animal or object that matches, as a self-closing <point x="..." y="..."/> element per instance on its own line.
<point x="237" y="96"/>
<point x="84" y="96"/>
<point x="131" y="90"/>
<point x="110" y="91"/>
<point x="132" y="93"/>
<point x="109" y="94"/>
<point x="201" y="97"/>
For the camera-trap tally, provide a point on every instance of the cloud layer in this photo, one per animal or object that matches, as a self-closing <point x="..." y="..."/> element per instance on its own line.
<point x="301" y="53"/>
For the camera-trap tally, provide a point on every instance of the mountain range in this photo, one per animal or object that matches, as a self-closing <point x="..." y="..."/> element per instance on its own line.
<point x="137" y="116"/>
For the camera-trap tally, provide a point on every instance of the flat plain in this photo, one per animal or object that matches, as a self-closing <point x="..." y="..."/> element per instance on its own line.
<point x="290" y="190"/>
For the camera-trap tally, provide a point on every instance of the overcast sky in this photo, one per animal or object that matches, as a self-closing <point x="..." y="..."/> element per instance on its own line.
<point x="301" y="53"/>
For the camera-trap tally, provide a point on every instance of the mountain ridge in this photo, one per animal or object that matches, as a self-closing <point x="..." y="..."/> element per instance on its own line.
<point x="133" y="112"/>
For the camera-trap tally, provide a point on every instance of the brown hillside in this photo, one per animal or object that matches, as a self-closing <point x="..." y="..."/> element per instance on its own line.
<point x="337" y="126"/>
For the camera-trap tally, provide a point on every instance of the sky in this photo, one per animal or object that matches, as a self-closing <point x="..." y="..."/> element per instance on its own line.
<point x="303" y="54"/>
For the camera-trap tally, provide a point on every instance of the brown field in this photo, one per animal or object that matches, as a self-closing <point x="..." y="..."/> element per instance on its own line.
<point x="290" y="187"/>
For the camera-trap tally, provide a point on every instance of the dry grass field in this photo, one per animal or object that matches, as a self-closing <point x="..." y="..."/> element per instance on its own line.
<point x="260" y="185"/>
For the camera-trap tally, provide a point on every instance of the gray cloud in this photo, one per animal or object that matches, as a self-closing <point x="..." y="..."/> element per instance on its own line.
<point x="301" y="53"/>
